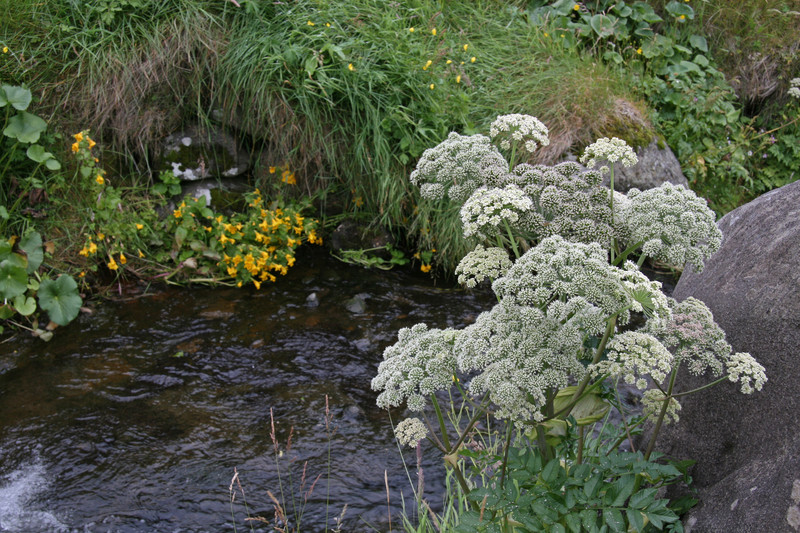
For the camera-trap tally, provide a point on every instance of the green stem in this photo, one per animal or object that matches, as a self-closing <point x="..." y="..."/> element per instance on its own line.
<point x="612" y="323"/>
<point x="698" y="389"/>
<point x="505" y="455"/>
<point x="579" y="458"/>
<point x="442" y="426"/>
<point x="624" y="255"/>
<point x="652" y="444"/>
<point x="511" y="239"/>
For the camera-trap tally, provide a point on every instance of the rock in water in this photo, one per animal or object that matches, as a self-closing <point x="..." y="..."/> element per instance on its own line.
<point x="747" y="447"/>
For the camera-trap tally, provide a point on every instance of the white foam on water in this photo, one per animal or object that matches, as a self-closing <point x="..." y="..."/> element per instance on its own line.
<point x="17" y="489"/>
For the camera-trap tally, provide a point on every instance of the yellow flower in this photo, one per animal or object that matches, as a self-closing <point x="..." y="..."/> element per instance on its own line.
<point x="458" y="78"/>
<point x="432" y="86"/>
<point x="122" y="259"/>
<point x="638" y="50"/>
<point x="683" y="17"/>
<point x="99" y="179"/>
<point x="546" y="34"/>
<point x="112" y="265"/>
<point x="272" y="170"/>
<point x="92" y="248"/>
<point x="177" y="213"/>
<point x="75" y="147"/>
<point x="84" y="252"/>
<point x="91" y="143"/>
<point x="472" y="59"/>
<point x="101" y="236"/>
<point x="448" y="61"/>
<point x="310" y="23"/>
<point x="411" y="29"/>
<point x="288" y="177"/>
<point x="5" y="49"/>
<point x="239" y="284"/>
<point x="428" y="64"/>
<point x="576" y="7"/>
<point x="140" y="253"/>
<point x="465" y="47"/>
<point x="257" y="284"/>
<point x="82" y="274"/>
<point x="139" y="226"/>
<point x="425" y="268"/>
<point x="433" y="31"/>
<point x="78" y="137"/>
<point x="350" y="67"/>
<point x="328" y="24"/>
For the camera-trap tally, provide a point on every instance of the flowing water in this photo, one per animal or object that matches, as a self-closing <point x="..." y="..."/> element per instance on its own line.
<point x="134" y="418"/>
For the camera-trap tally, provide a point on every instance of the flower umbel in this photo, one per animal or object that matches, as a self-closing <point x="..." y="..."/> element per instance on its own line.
<point x="410" y="431"/>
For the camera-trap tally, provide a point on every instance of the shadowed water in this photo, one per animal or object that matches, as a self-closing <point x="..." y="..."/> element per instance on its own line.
<point x="134" y="418"/>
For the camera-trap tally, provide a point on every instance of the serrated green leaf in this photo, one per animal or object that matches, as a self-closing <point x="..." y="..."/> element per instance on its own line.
<point x="623" y="488"/>
<point x="592" y="486"/>
<point x="25" y="127"/>
<point x="557" y="528"/>
<point x="635" y="519"/>
<point x="614" y="520"/>
<point x="60" y="299"/>
<point x="642" y="498"/>
<point x="589" y="520"/>
<point x="553" y="472"/>
<point x="573" y="521"/>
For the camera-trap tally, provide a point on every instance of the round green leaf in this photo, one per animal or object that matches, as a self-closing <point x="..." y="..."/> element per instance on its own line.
<point x="37" y="154"/>
<point x="25" y="127"/>
<point x="13" y="279"/>
<point x="60" y="299"/>
<point x="31" y="244"/>
<point x="52" y="164"/>
<point x="18" y="97"/>
<point x="25" y="306"/>
<point x="603" y="25"/>
<point x="677" y="9"/>
<point x="699" y="42"/>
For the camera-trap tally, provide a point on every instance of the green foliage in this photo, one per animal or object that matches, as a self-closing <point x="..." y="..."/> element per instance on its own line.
<point x="22" y="285"/>
<point x="23" y="162"/>
<point x="374" y="257"/>
<point x="600" y="495"/>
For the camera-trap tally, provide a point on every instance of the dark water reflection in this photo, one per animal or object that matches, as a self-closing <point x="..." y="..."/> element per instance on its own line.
<point x="134" y="418"/>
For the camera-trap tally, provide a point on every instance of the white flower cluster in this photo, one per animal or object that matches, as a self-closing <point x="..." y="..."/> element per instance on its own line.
<point x="520" y="352"/>
<point x="516" y="128"/>
<point x="653" y="402"/>
<point x="632" y="355"/>
<point x="484" y="212"/>
<point x="611" y="150"/>
<point x="410" y="431"/>
<point x="457" y="166"/>
<point x="559" y="269"/>
<point x="693" y="337"/>
<point x="794" y="89"/>
<point x="673" y="223"/>
<point x="420" y="363"/>
<point x="482" y="263"/>
<point x="567" y="202"/>
<point x="742" y="367"/>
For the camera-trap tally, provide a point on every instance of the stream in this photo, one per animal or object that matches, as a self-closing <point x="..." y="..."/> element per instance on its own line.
<point x="134" y="418"/>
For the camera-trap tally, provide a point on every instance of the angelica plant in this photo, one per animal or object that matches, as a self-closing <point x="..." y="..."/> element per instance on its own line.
<point x="547" y="239"/>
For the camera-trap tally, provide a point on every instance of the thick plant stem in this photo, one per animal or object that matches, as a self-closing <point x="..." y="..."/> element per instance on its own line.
<point x="442" y="426"/>
<point x="652" y="444"/>
<point x="505" y="455"/>
<point x="612" y="323"/>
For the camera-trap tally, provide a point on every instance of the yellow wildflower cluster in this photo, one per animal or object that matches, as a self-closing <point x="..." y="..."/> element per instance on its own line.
<point x="287" y="176"/>
<point x="251" y="247"/>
